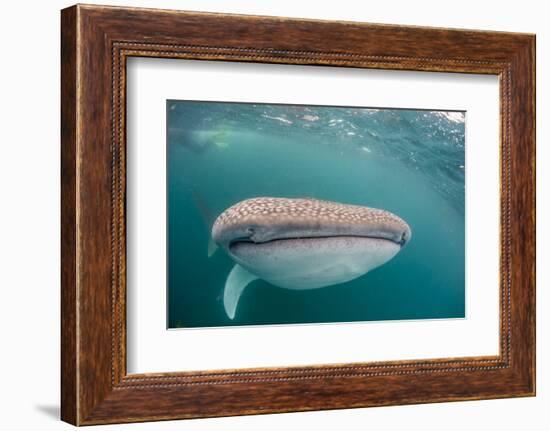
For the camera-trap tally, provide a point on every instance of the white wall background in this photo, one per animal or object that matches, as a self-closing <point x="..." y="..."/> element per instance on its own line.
<point x="29" y="214"/>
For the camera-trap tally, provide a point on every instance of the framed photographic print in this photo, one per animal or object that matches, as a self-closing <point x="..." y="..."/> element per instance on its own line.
<point x="265" y="214"/>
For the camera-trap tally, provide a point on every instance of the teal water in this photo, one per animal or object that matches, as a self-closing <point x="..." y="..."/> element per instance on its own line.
<point x="409" y="162"/>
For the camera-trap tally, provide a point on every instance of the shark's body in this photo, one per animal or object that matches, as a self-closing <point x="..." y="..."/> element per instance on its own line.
<point x="304" y="243"/>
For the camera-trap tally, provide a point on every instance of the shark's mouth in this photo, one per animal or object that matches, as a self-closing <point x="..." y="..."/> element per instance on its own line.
<point x="249" y="241"/>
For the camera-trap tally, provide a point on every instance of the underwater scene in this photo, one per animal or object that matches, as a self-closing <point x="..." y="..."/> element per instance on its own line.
<point x="295" y="214"/>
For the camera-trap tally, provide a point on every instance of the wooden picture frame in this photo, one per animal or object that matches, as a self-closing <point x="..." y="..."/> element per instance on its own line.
<point x="95" y="43"/>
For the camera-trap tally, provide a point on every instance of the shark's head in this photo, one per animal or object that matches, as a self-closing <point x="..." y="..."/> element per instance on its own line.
<point x="307" y="243"/>
<point x="262" y="220"/>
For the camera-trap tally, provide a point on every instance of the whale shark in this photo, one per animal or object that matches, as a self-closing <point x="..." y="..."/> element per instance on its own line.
<point x="303" y="243"/>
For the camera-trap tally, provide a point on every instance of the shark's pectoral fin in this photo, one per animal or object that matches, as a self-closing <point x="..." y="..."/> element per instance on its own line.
<point x="212" y="247"/>
<point x="236" y="281"/>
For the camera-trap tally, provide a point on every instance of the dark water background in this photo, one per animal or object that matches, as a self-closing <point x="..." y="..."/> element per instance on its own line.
<point x="409" y="162"/>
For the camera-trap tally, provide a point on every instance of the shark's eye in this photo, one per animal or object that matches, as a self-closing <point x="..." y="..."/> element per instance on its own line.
<point x="250" y="231"/>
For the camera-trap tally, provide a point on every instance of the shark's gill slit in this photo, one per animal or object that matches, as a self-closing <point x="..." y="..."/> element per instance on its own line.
<point x="304" y="243"/>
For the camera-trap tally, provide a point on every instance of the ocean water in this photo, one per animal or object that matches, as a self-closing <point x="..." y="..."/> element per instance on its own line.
<point x="409" y="162"/>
